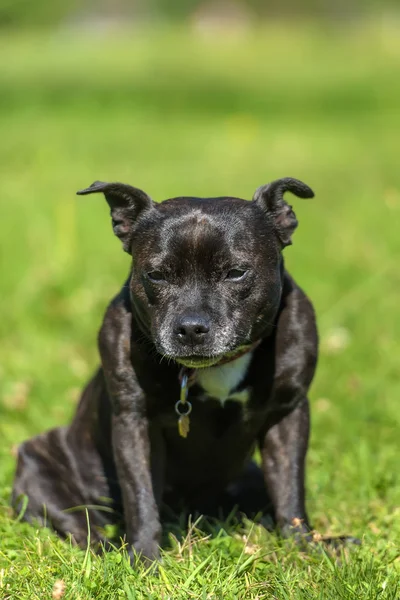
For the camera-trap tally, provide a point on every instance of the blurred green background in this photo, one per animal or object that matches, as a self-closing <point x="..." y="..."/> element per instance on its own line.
<point x="208" y="99"/>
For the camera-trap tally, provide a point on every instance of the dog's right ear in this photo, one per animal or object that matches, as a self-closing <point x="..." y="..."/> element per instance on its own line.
<point x="126" y="203"/>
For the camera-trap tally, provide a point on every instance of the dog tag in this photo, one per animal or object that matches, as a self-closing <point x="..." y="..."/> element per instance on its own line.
<point x="184" y="425"/>
<point x="183" y="410"/>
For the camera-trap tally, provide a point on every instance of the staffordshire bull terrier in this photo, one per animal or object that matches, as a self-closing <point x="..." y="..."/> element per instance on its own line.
<point x="207" y="354"/>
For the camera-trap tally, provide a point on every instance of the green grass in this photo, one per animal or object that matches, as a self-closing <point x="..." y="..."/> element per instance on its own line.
<point x="176" y="113"/>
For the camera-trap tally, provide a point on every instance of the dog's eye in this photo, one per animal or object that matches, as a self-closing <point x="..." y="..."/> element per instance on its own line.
<point x="156" y="276"/>
<point x="235" y="274"/>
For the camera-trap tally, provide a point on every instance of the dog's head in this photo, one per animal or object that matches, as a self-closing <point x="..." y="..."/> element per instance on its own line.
<point x="206" y="272"/>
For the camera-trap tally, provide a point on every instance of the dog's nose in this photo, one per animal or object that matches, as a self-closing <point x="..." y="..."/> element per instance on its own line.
<point x="192" y="329"/>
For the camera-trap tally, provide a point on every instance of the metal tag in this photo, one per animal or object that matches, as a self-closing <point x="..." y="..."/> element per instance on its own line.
<point x="184" y="425"/>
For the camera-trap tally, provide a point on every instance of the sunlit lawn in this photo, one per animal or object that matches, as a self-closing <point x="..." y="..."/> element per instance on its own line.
<point x="177" y="113"/>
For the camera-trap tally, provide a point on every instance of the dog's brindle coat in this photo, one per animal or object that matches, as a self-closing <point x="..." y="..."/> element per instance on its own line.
<point x="207" y="280"/>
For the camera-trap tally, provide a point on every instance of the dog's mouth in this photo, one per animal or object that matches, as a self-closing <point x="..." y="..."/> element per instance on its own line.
<point x="198" y="362"/>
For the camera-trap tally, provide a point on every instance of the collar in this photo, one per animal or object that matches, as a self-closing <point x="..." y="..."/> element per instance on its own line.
<point x="191" y="373"/>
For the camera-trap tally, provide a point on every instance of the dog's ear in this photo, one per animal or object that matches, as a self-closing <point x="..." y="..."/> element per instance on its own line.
<point x="126" y="203"/>
<point x="270" y="198"/>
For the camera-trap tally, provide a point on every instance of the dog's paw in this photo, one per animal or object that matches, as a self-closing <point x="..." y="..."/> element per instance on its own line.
<point x="332" y="545"/>
<point x="306" y="538"/>
<point x="297" y="530"/>
<point x="336" y="542"/>
<point x="146" y="554"/>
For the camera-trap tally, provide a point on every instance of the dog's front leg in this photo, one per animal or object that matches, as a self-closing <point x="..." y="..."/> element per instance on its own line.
<point x="130" y="435"/>
<point x="283" y="450"/>
<point x="132" y="458"/>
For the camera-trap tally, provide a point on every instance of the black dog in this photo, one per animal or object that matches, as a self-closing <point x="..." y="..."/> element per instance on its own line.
<point x="207" y="353"/>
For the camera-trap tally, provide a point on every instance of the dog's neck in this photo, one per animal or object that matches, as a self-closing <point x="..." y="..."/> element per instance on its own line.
<point x="221" y="380"/>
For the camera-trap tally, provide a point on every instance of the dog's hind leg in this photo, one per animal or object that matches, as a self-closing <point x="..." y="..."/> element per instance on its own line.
<point x="49" y="477"/>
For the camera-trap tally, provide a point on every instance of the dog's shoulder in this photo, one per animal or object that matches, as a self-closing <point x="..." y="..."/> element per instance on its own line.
<point x="296" y="310"/>
<point x="296" y="338"/>
<point x="117" y="318"/>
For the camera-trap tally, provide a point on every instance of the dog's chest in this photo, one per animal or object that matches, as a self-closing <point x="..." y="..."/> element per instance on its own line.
<point x="223" y="382"/>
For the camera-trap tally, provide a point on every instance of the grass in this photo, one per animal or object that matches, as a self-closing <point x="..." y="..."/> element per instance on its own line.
<point x="178" y="113"/>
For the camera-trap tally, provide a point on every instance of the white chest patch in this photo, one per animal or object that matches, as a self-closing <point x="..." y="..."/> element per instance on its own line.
<point x="218" y="382"/>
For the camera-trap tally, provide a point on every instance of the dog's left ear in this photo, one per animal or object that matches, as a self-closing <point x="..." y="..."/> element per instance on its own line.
<point x="270" y="198"/>
<point x="126" y="203"/>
